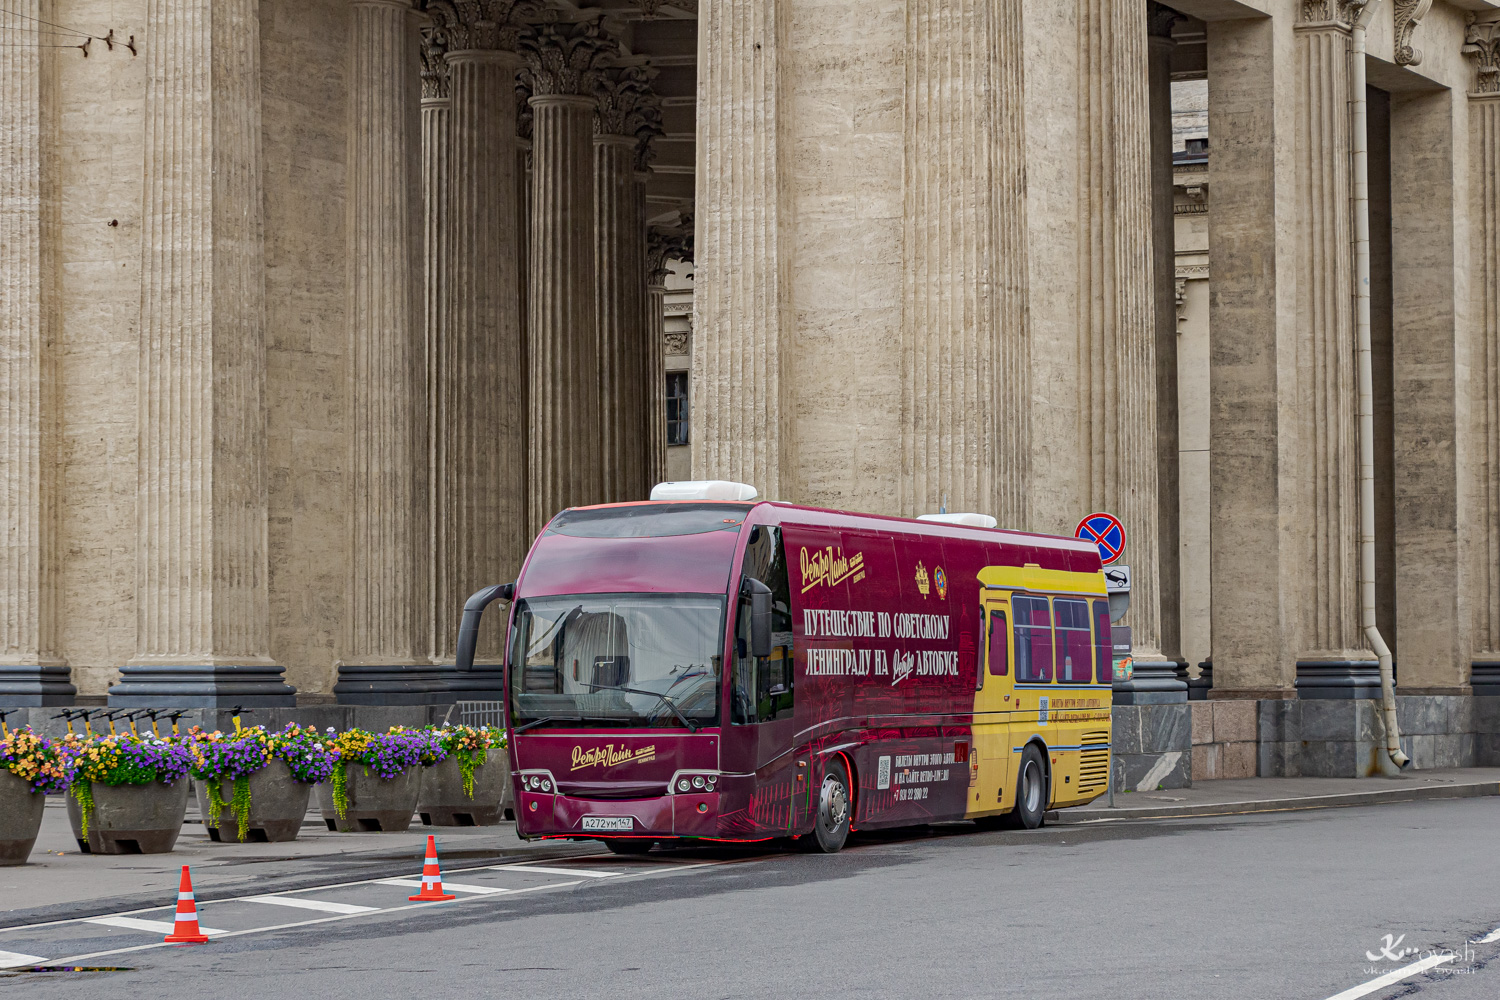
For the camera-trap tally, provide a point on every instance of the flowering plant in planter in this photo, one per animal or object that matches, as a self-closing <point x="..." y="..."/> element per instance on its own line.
<point x="386" y="754"/>
<point x="123" y="759"/>
<point x="234" y="757"/>
<point x="47" y="766"/>
<point x="469" y="746"/>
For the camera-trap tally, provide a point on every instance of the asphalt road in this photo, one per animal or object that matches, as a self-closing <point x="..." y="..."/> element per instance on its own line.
<point x="1289" y="905"/>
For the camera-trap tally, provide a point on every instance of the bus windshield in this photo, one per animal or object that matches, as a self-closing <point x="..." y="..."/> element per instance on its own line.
<point x="617" y="659"/>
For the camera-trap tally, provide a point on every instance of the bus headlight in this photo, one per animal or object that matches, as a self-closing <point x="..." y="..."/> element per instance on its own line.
<point x="697" y="781"/>
<point x="683" y="784"/>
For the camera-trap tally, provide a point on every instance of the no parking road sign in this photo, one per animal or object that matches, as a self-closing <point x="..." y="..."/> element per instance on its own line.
<point x="1105" y="531"/>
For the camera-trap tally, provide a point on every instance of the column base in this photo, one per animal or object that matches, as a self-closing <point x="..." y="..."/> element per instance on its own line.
<point x="1155" y="683"/>
<point x="193" y="686"/>
<point x="1342" y="679"/>
<point x="417" y="684"/>
<point x="27" y="685"/>
<point x="1484" y="677"/>
<point x="1200" y="686"/>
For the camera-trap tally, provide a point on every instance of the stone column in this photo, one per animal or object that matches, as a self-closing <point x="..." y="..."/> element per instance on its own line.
<point x="965" y="349"/>
<point x="384" y="657"/>
<point x="437" y="241"/>
<point x="662" y="245"/>
<point x="479" y="447"/>
<point x="1117" y="314"/>
<point x="1254" y="508"/>
<point x="1483" y="42"/>
<point x="564" y="435"/>
<point x="202" y="607"/>
<point x="32" y="672"/>
<point x="1331" y="647"/>
<point x="625" y="102"/>
<point x="1164" y="265"/>
<point x="742" y="316"/>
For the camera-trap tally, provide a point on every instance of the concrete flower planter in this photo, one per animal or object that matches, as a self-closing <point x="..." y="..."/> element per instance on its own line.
<point x="277" y="804"/>
<point x="443" y="802"/>
<point x="375" y="804"/>
<point x="20" y="818"/>
<point x="131" y="819"/>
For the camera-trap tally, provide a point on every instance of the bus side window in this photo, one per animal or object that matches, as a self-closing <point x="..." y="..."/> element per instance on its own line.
<point x="1033" y="627"/>
<point x="1074" y="648"/>
<point x="763" y="687"/>
<point x="999" y="644"/>
<point x="1104" y="644"/>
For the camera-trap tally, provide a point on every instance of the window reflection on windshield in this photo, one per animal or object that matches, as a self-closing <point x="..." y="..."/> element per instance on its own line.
<point x="618" y="659"/>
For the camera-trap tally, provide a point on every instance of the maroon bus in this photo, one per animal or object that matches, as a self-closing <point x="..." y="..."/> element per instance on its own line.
<point x="710" y="670"/>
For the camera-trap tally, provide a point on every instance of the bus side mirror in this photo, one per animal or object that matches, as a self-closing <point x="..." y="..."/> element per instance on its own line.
<point x="760" y="616"/>
<point x="468" y="628"/>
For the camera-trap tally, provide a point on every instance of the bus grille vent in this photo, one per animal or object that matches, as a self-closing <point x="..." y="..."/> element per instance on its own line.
<point x="1093" y="765"/>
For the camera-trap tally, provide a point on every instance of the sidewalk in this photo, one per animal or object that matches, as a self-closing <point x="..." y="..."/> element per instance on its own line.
<point x="1240" y="796"/>
<point x="62" y="883"/>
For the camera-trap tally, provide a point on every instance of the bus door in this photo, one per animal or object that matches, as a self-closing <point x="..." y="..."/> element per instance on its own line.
<point x="1033" y="668"/>
<point x="761" y="726"/>
<point x="1075" y="695"/>
<point x="991" y="769"/>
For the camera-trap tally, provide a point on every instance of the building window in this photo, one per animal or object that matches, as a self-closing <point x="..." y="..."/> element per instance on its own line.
<point x="677" y="407"/>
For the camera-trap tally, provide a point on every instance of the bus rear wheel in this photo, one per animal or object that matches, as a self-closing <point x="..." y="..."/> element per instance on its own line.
<point x="629" y="846"/>
<point x="831" y="828"/>
<point x="1031" y="790"/>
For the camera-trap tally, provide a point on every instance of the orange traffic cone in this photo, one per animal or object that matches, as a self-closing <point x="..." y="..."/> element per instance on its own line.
<point x="186" y="930"/>
<point x="432" y="877"/>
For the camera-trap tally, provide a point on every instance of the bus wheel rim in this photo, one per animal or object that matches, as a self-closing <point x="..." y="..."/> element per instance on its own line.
<point x="1033" y="788"/>
<point x="833" y="802"/>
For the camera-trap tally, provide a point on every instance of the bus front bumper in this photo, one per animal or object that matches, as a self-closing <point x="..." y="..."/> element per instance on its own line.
<point x="548" y="814"/>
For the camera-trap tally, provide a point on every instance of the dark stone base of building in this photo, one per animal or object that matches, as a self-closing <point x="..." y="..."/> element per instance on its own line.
<point x="190" y="686"/>
<point x="417" y="685"/>
<point x="1153" y="746"/>
<point x="25" y="685"/>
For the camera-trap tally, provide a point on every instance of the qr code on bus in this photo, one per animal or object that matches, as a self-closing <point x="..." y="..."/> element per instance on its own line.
<point x="883" y="773"/>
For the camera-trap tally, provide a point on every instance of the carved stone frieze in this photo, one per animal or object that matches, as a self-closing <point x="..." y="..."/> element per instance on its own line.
<point x="1408" y="14"/>
<point x="566" y="59"/>
<point x="482" y="24"/>
<point x="676" y="342"/>
<point x="1482" y="41"/>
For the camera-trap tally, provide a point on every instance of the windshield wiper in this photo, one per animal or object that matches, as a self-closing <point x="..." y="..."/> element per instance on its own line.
<point x="650" y="694"/>
<point x="546" y="719"/>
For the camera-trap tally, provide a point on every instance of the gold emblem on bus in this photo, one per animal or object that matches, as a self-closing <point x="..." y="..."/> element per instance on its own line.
<point x="608" y="756"/>
<point x="830" y="567"/>
<point x="923" y="585"/>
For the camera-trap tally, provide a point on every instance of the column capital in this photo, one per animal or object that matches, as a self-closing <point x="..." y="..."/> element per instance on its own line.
<point x="1330" y="13"/>
<point x="1159" y="20"/>
<point x="1408" y="13"/>
<point x="664" y="243"/>
<point x="434" y="65"/>
<point x="524" y="115"/>
<point x="565" y="59"/>
<point x="1482" y="41"/>
<point x="629" y="107"/>
<point x="482" y="24"/>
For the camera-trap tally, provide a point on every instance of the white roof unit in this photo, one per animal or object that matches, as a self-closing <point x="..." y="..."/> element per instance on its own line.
<point x="704" y="489"/>
<point x="968" y="520"/>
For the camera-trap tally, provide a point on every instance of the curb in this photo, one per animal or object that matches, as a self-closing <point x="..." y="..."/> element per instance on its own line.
<point x="1467" y="790"/>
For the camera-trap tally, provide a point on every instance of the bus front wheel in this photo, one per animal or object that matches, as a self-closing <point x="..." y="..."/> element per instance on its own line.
<point x="832" y="826"/>
<point x="1031" y="790"/>
<point x="629" y="846"/>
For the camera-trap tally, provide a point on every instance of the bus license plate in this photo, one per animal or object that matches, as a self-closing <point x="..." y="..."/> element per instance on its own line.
<point x="612" y="824"/>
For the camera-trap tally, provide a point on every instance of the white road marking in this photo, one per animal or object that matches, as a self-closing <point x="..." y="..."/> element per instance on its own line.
<point x="1491" y="937"/>
<point x="1405" y="972"/>
<point x="137" y="924"/>
<point x="312" y="904"/>
<point x="12" y="958"/>
<point x="553" y="871"/>
<point x="447" y="886"/>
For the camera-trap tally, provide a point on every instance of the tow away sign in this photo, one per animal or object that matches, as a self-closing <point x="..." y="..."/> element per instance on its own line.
<point x="1105" y="531"/>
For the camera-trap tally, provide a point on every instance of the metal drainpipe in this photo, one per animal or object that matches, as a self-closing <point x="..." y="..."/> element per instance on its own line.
<point x="1360" y="141"/>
